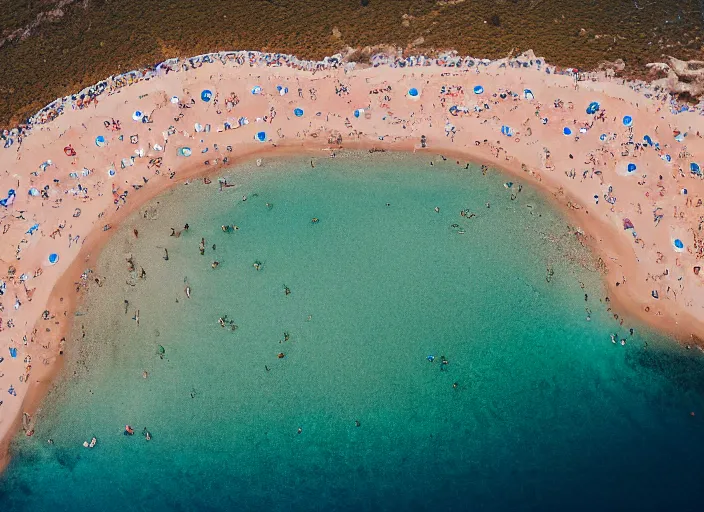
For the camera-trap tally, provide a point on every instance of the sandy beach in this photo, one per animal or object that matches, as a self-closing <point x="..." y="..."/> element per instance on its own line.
<point x="613" y="155"/>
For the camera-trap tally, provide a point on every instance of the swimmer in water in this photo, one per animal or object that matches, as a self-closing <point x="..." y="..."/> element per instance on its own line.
<point x="215" y="264"/>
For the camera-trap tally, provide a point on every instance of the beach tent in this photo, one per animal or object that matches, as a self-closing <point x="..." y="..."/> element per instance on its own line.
<point x="566" y="131"/>
<point x="53" y="258"/>
<point x="627" y="121"/>
<point x="282" y="90"/>
<point x="206" y="95"/>
<point x="627" y="224"/>
<point x="678" y="245"/>
<point x="358" y="112"/>
<point x="478" y="89"/>
<point x="298" y="112"/>
<point x="507" y="130"/>
<point x="138" y="115"/>
<point x="647" y="140"/>
<point x="9" y="200"/>
<point x="198" y="127"/>
<point x="184" y="151"/>
<point x="412" y="92"/>
<point x="100" y="141"/>
<point x="33" y="192"/>
<point x="695" y="169"/>
<point x="631" y="168"/>
<point x="528" y="94"/>
<point x="256" y="89"/>
<point x="174" y="99"/>
<point x="593" y="107"/>
<point x="679" y="137"/>
<point x="261" y="136"/>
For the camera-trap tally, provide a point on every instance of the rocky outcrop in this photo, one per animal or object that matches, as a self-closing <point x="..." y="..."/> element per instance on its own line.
<point x="680" y="77"/>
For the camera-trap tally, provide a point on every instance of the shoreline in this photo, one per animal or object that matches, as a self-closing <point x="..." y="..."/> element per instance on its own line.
<point x="383" y="124"/>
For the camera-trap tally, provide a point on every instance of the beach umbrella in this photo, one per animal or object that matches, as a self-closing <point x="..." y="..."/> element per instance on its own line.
<point x="184" y="151"/>
<point x="593" y="107"/>
<point x="566" y="131"/>
<point x="647" y="140"/>
<point x="602" y="137"/>
<point x="206" y="95"/>
<point x="358" y="112"/>
<point x="33" y="192"/>
<point x="478" y="89"/>
<point x="100" y="141"/>
<point x="9" y="200"/>
<point x="282" y="90"/>
<point x="683" y="191"/>
<point x="695" y="169"/>
<point x="174" y="99"/>
<point x="298" y="112"/>
<point x="198" y="127"/>
<point x="631" y="168"/>
<point x="677" y="243"/>
<point x="507" y="130"/>
<point x="111" y="172"/>
<point x="627" y="121"/>
<point x="667" y="158"/>
<point x="261" y="136"/>
<point x="528" y="94"/>
<point x="412" y="92"/>
<point x="627" y="224"/>
<point x="137" y="116"/>
<point x="53" y="258"/>
<point x="256" y="89"/>
<point x="679" y="137"/>
<point x="242" y="121"/>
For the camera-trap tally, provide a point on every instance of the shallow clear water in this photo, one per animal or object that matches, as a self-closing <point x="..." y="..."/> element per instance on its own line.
<point x="546" y="414"/>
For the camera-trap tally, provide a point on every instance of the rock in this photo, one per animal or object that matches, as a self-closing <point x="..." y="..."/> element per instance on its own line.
<point x="680" y="77"/>
<point x="336" y="33"/>
<point x="582" y="32"/>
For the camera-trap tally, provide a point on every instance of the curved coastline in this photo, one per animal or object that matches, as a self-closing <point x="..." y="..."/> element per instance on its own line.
<point x="396" y="124"/>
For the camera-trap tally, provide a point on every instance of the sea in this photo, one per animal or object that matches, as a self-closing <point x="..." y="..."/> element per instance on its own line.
<point x="364" y="332"/>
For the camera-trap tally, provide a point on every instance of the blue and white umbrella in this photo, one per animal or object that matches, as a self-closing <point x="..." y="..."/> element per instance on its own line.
<point x="282" y="90"/>
<point x="298" y="112"/>
<point x="507" y="130"/>
<point x="53" y="258"/>
<point x="358" y="112"/>
<point x="631" y="168"/>
<point x="478" y="89"/>
<point x="174" y="99"/>
<point x="627" y="121"/>
<point x="528" y="94"/>
<point x="566" y="131"/>
<point x="412" y="92"/>
<point x="602" y="137"/>
<point x="678" y="245"/>
<point x="100" y="141"/>
<point x="593" y="107"/>
<point x="206" y="95"/>
<point x="695" y="169"/>
<point x="138" y="115"/>
<point x="184" y="151"/>
<point x="261" y="136"/>
<point x="256" y="89"/>
<point x="647" y="140"/>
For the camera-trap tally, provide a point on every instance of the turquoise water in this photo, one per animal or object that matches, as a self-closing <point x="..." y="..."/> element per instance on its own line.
<point x="535" y="410"/>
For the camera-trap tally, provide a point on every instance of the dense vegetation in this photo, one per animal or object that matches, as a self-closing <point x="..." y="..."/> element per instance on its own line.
<point x="96" y="38"/>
